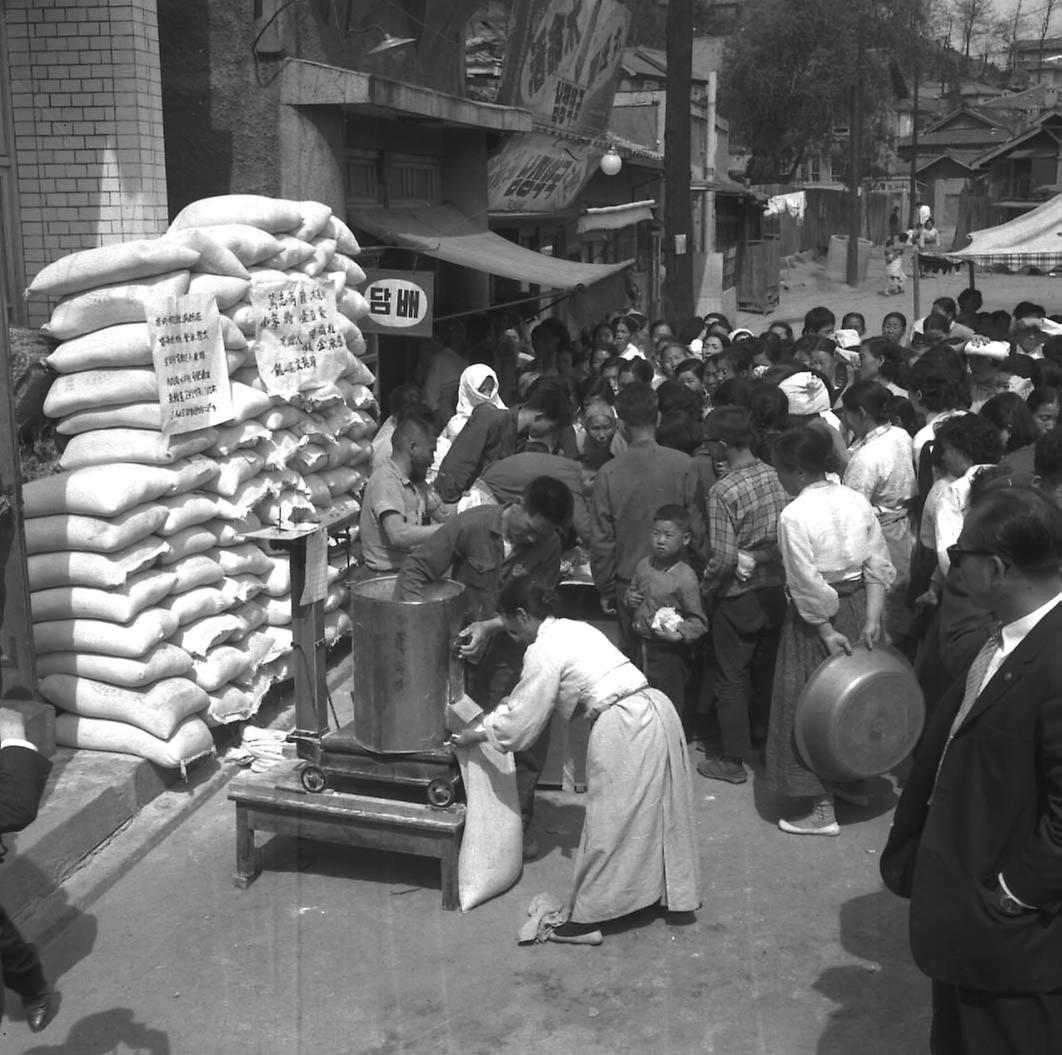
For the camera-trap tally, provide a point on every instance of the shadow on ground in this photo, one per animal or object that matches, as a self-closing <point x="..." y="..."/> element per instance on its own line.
<point x="105" y="1033"/>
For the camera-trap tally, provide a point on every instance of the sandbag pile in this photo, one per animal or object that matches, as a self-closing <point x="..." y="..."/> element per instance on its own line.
<point x="144" y="581"/>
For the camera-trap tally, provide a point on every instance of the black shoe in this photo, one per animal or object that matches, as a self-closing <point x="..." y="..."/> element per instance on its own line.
<point x="723" y="769"/>
<point x="531" y="847"/>
<point x="38" y="1010"/>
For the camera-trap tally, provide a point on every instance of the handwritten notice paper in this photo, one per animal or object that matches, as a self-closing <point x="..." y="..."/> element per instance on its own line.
<point x="316" y="587"/>
<point x="189" y="356"/>
<point x="298" y="346"/>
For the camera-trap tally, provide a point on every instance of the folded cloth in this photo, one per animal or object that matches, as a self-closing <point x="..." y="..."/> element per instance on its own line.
<point x="543" y="914"/>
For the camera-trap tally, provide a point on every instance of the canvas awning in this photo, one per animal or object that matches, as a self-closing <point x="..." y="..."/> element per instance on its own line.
<point x="1031" y="240"/>
<point x="441" y="231"/>
<point x="615" y="217"/>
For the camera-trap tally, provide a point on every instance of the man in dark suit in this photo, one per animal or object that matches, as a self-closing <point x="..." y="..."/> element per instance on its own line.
<point x="976" y="842"/>
<point x="23" y="772"/>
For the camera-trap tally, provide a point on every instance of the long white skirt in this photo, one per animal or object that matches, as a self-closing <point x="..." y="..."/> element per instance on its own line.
<point x="637" y="846"/>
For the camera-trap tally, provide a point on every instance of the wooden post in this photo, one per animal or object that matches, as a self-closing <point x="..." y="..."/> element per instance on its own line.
<point x="678" y="213"/>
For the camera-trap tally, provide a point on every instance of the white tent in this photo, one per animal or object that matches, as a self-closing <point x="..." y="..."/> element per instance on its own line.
<point x="1033" y="239"/>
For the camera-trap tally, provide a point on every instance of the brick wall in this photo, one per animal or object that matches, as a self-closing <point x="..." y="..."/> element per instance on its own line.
<point x="86" y="101"/>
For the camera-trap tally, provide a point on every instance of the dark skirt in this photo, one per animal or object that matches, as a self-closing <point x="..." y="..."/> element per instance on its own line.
<point x="800" y="652"/>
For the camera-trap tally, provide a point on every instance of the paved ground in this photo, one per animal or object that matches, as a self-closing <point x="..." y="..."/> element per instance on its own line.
<point x="797" y="949"/>
<point x="807" y="285"/>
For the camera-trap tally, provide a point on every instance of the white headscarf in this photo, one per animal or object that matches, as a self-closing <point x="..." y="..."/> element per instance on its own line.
<point x="469" y="396"/>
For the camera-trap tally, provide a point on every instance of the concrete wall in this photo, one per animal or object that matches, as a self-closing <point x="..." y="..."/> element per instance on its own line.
<point x="86" y="104"/>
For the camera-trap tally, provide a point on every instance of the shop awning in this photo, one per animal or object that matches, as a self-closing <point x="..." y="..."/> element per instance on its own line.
<point x="442" y="232"/>
<point x="615" y="217"/>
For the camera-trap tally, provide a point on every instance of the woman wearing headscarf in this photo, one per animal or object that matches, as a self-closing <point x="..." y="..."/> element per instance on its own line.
<point x="478" y="384"/>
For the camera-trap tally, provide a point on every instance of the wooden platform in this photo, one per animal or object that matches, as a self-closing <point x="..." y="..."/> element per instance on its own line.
<point x="275" y="802"/>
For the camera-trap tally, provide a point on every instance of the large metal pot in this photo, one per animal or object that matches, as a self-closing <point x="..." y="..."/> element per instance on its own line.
<point x="405" y="670"/>
<point x="859" y="715"/>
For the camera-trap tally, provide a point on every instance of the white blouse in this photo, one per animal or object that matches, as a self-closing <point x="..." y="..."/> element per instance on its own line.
<point x="881" y="468"/>
<point x="827" y="534"/>
<point x="568" y="664"/>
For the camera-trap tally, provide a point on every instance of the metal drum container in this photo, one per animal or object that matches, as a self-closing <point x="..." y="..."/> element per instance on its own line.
<point x="405" y="670"/>
<point x="859" y="715"/>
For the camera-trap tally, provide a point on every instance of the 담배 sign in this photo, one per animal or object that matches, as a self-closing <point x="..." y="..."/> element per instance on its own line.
<point x="189" y="356"/>
<point x="400" y="303"/>
<point x="299" y="344"/>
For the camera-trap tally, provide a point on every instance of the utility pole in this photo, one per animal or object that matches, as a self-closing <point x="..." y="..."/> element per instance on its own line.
<point x="678" y="215"/>
<point x="916" y="263"/>
<point x="855" y="159"/>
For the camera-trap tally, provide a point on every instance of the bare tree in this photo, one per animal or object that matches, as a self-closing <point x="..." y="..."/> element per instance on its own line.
<point x="975" y="20"/>
<point x="1048" y="10"/>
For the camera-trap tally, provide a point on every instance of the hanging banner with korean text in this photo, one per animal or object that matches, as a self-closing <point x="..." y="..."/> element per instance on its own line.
<point x="298" y="345"/>
<point x="401" y="303"/>
<point x="189" y="357"/>
<point x="562" y="66"/>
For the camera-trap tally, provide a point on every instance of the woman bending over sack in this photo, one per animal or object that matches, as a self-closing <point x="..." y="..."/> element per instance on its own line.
<point x="637" y="847"/>
<point x="837" y="570"/>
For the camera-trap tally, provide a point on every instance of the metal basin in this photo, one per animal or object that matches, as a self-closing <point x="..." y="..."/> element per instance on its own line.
<point x="405" y="671"/>
<point x="859" y="715"/>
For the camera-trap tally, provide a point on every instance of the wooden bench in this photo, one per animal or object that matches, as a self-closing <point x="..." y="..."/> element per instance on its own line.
<point x="274" y="802"/>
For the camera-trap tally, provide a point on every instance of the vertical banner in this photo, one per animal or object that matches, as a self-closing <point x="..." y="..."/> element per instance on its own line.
<point x="189" y="357"/>
<point x="562" y="67"/>
<point x="298" y="343"/>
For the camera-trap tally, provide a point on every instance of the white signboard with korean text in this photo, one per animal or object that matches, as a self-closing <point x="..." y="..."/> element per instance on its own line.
<point x="189" y="357"/>
<point x="401" y="303"/>
<point x="298" y="343"/>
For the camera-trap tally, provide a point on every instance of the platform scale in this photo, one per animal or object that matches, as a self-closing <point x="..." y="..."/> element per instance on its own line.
<point x="338" y="790"/>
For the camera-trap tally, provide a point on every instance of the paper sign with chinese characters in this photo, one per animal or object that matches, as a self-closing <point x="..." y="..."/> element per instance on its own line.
<point x="189" y="356"/>
<point x="400" y="302"/>
<point x="298" y="343"/>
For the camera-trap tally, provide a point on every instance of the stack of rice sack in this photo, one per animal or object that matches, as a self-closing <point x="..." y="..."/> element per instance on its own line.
<point x="154" y="615"/>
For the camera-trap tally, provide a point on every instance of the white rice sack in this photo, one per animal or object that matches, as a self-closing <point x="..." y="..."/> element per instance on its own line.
<point x="315" y="217"/>
<point x="181" y="544"/>
<point x="314" y="429"/>
<point x="491" y="856"/>
<point x="279" y="448"/>
<point x="63" y="531"/>
<point x="267" y="274"/>
<point x="236" y="469"/>
<point x="355" y="276"/>
<point x="310" y="458"/>
<point x="319" y="495"/>
<point x="100" y="570"/>
<point x="293" y="251"/>
<point x="188" y="474"/>
<point x="360" y="397"/>
<point x="248" y="402"/>
<point x="336" y="279"/>
<point x="247" y="559"/>
<point x="336" y="624"/>
<point x="277" y="582"/>
<point x="242" y="317"/>
<point x="248" y="375"/>
<point x="114" y="346"/>
<point x="92" y="389"/>
<point x="230" y="703"/>
<point x="342" y="419"/>
<point x="163" y="661"/>
<point x="232" y="438"/>
<point x="277" y="610"/>
<point x="200" y="602"/>
<point x="225" y="289"/>
<point x="357" y="373"/>
<point x="232" y="532"/>
<point x="231" y="335"/>
<point x="342" y="481"/>
<point x="337" y="594"/>
<point x="323" y="250"/>
<point x="190" y="741"/>
<point x="255" y="210"/>
<point x="352" y="304"/>
<point x="283" y="416"/>
<point x="111" y="305"/>
<point x="110" y="264"/>
<point x="252" y="615"/>
<point x="347" y="505"/>
<point x="250" y="245"/>
<point x="280" y="669"/>
<point x="198" y="638"/>
<point x="219" y="666"/>
<point x="317" y="400"/>
<point x="97" y="490"/>
<point x="247" y="497"/>
<point x="185" y="511"/>
<point x="158" y="709"/>
<point x="342" y="452"/>
<point x="215" y="257"/>
<point x="144" y="446"/>
<point x="118" y="604"/>
<point x="345" y="241"/>
<point x="146" y="415"/>
<point x="236" y="360"/>
<point x="130" y="641"/>
<point x="240" y="589"/>
<point x="262" y="646"/>
<point x="284" y="637"/>
<point x="195" y="571"/>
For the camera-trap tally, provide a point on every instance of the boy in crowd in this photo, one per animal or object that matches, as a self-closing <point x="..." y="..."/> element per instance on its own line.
<point x="664" y="601"/>
<point x="745" y="582"/>
<point x="819" y="322"/>
<point x="627" y="492"/>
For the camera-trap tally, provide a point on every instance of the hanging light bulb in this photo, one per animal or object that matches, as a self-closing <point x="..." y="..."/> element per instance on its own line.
<point x="611" y="162"/>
